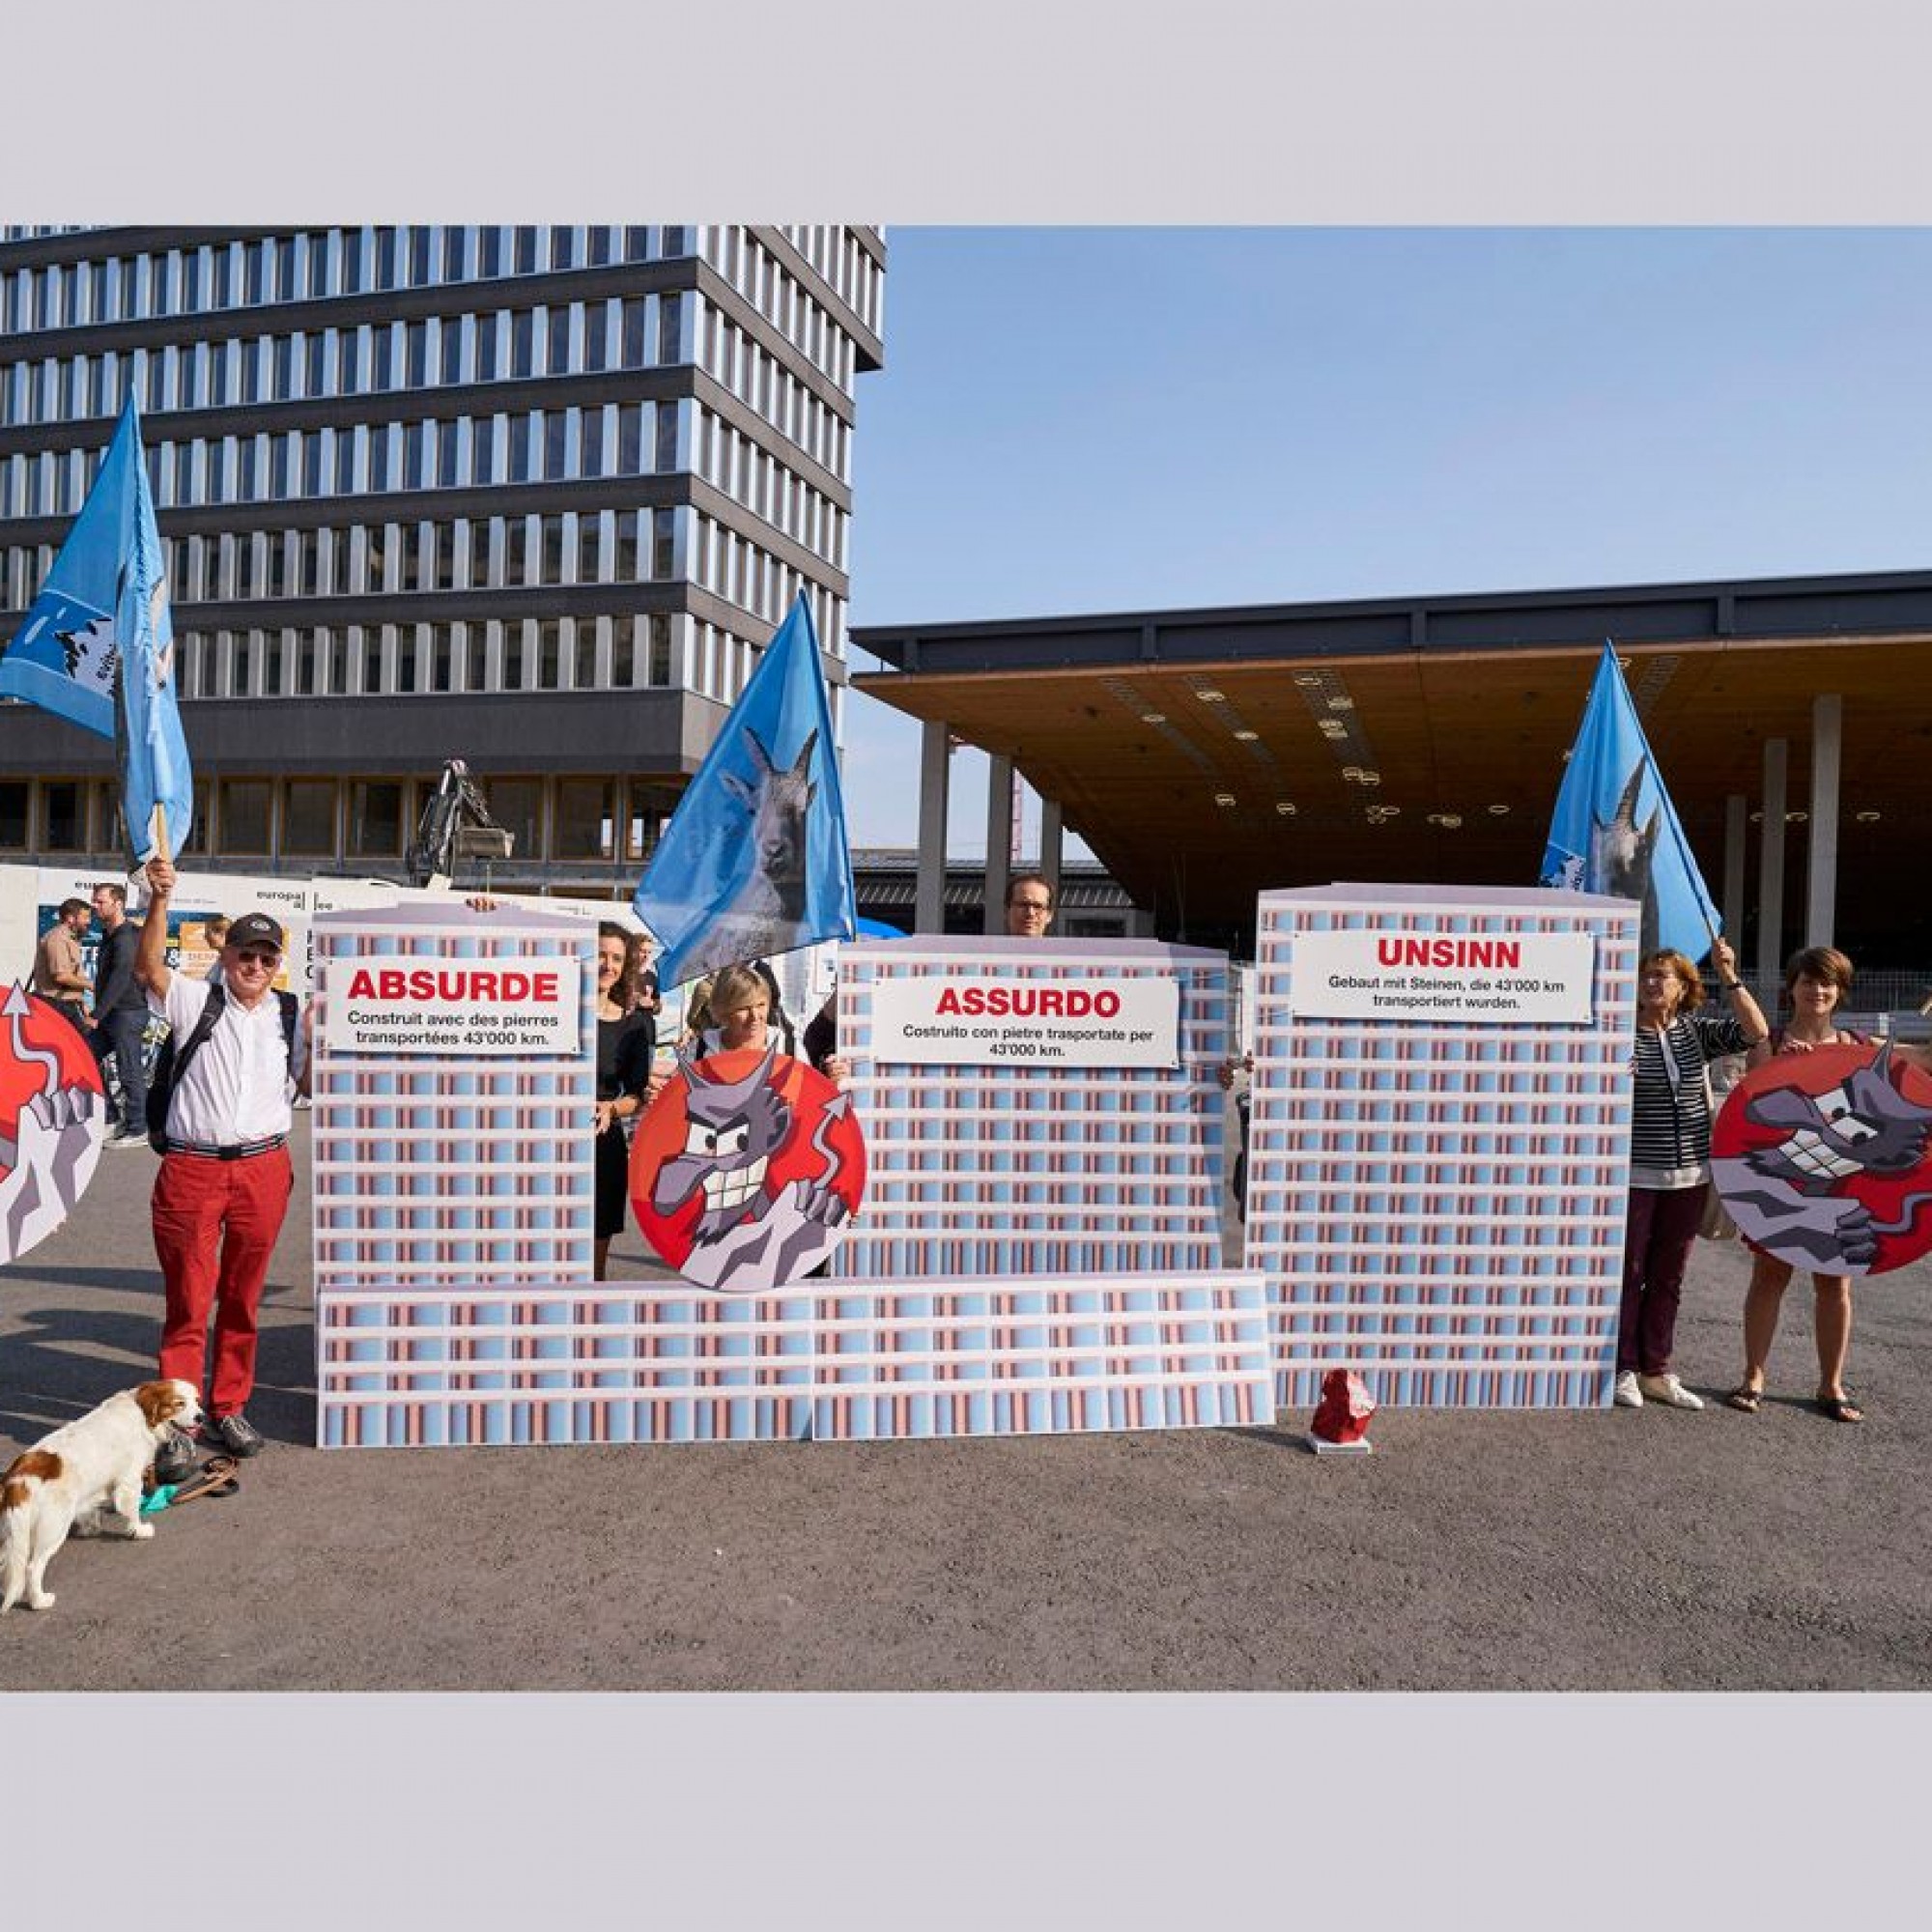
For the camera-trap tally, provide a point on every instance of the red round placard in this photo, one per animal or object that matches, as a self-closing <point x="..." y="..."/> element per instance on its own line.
<point x="746" y="1170"/>
<point x="52" y="1109"/>
<point x="1821" y="1158"/>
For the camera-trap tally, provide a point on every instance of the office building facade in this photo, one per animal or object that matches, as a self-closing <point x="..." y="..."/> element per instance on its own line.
<point x="531" y="497"/>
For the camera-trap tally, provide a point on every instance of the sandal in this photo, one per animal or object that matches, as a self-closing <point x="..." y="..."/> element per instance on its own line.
<point x="1840" y="1408"/>
<point x="1745" y="1399"/>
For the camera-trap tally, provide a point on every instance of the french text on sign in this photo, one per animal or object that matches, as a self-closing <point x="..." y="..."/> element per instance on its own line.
<point x="412" y="1002"/>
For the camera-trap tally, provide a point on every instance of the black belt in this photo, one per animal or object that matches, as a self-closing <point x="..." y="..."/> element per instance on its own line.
<point x="241" y="1150"/>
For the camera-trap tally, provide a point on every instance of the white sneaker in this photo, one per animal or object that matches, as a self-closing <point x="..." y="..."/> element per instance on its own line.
<point x="1627" y="1394"/>
<point x="1669" y="1391"/>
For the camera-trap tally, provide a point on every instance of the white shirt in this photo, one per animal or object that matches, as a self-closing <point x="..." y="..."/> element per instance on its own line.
<point x="236" y="1089"/>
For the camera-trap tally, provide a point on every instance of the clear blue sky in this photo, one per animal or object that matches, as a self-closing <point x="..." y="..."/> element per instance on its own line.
<point x="1101" y="419"/>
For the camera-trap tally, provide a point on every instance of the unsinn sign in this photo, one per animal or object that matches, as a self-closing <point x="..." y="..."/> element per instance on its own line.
<point x="412" y="1002"/>
<point x="1515" y="978"/>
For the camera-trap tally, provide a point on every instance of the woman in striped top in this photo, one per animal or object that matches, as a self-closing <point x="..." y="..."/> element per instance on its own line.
<point x="1670" y="1154"/>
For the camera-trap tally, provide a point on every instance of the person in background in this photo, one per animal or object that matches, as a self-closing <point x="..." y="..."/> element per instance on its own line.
<point x="1028" y="906"/>
<point x="121" y="1010"/>
<point x="59" y="977"/>
<point x="626" y="1038"/>
<point x="215" y="934"/>
<point x="641" y="978"/>
<point x="1670" y="1156"/>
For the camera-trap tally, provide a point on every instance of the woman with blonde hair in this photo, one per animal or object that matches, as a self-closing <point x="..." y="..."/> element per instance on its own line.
<point x="1670" y="1156"/>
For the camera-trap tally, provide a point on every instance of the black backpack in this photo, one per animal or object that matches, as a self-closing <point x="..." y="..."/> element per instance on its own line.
<point x="170" y="1065"/>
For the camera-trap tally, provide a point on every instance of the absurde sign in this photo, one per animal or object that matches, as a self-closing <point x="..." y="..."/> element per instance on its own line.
<point x="978" y="1017"/>
<point x="416" y="1002"/>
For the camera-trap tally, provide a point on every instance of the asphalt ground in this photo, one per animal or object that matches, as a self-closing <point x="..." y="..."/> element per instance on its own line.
<point x="1649" y="1549"/>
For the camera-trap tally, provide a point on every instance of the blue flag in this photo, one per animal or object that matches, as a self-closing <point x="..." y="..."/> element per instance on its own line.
<point x="100" y="626"/>
<point x="754" y="861"/>
<point x="1615" y="831"/>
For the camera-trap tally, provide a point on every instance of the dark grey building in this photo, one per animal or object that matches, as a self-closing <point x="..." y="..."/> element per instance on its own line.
<point x="531" y="497"/>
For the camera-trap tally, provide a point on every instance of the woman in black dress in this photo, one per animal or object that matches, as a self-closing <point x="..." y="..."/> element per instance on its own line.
<point x="626" y="1038"/>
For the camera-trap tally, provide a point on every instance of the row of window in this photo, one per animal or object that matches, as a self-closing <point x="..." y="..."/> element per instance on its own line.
<point x="623" y="652"/>
<point x="374" y="358"/>
<point x="346" y="819"/>
<point x="467" y="452"/>
<point x="307" y="267"/>
<point x="658" y="650"/>
<point x="493" y="553"/>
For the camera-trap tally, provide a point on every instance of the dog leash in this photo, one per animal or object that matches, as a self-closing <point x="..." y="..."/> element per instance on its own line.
<point x="219" y="1476"/>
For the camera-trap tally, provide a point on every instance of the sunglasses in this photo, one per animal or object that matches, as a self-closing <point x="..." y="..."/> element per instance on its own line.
<point x="254" y="957"/>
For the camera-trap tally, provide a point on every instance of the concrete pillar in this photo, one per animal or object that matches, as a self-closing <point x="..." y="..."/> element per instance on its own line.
<point x="998" y="839"/>
<point x="934" y="769"/>
<point x="1820" y="874"/>
<point x="1771" y="865"/>
<point x="1049" y="846"/>
<point x="1736" y="831"/>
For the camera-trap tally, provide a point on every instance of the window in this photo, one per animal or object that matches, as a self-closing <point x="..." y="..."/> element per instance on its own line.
<point x="664" y="543"/>
<point x="660" y="665"/>
<point x="636" y="316"/>
<point x="559" y="341"/>
<point x="308" y="817"/>
<point x="65" y="804"/>
<point x="375" y="818"/>
<point x="517" y="806"/>
<point x="667" y="450"/>
<point x="585" y="818"/>
<point x="244" y="804"/>
<point x="670" y="331"/>
<point x="15" y="795"/>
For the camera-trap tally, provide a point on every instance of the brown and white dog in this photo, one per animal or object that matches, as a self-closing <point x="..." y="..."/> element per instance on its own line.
<point x="84" y="1478"/>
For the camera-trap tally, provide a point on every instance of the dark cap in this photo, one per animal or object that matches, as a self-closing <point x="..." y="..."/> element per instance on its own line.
<point x="256" y="929"/>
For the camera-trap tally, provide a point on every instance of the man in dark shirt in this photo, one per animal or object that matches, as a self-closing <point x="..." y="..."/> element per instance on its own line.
<point x="121" y="1011"/>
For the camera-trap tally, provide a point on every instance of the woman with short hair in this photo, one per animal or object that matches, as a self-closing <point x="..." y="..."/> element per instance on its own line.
<point x="1816" y="980"/>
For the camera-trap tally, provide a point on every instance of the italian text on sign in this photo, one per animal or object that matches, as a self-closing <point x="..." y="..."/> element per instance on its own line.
<point x="975" y="1017"/>
<point x="1520" y="979"/>
<point x="416" y="1002"/>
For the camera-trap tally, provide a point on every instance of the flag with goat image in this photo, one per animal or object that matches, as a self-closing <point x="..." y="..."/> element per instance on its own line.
<point x="754" y="861"/>
<point x="1614" y="830"/>
<point x="96" y="647"/>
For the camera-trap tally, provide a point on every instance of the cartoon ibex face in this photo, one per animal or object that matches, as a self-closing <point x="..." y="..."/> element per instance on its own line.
<point x="735" y="1128"/>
